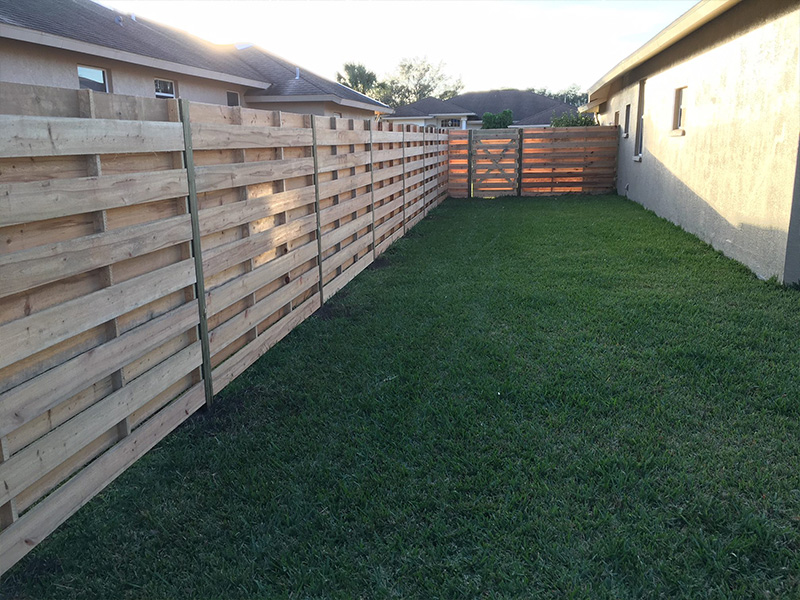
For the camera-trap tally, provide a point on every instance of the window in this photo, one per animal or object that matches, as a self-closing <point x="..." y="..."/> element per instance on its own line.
<point x="165" y="88"/>
<point x="451" y="123"/>
<point x="233" y="98"/>
<point x="679" y="115"/>
<point x="92" y="78"/>
<point x="627" y="120"/>
<point x="616" y="118"/>
<point x="639" y="145"/>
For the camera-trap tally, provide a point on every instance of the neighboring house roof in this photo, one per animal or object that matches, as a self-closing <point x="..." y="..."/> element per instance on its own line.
<point x="289" y="81"/>
<point x="94" y="29"/>
<point x="522" y="103"/>
<point x="528" y="108"/>
<point x="697" y="16"/>
<point x="430" y="107"/>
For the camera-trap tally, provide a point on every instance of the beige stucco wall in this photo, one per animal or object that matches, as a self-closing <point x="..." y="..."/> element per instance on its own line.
<point x="730" y="179"/>
<point x="22" y="62"/>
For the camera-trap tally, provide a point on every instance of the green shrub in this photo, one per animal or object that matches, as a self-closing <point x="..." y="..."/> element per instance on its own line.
<point x="497" y="121"/>
<point x="573" y="120"/>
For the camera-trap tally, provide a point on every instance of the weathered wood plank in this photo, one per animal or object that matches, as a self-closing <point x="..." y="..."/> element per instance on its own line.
<point x="32" y="527"/>
<point x="37" y="266"/>
<point x="43" y="329"/>
<point x="214" y="136"/>
<point x="46" y="453"/>
<point x="25" y="402"/>
<point x="25" y="202"/>
<point x="222" y="217"/>
<point x="220" y="177"/>
<point x="53" y="136"/>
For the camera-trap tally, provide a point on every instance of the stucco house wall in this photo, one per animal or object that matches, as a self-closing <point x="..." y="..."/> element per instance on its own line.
<point x="731" y="177"/>
<point x="23" y="62"/>
<point x="28" y="63"/>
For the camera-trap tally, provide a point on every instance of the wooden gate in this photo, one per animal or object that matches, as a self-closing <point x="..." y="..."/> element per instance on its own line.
<point x="494" y="162"/>
<point x="543" y="161"/>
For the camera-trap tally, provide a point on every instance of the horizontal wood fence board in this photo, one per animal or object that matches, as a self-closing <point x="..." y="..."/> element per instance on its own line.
<point x="547" y="145"/>
<point x="335" y="162"/>
<point x="23" y="403"/>
<point x="387" y="137"/>
<point x="387" y="209"/>
<point x="229" y="293"/>
<point x="46" y="136"/>
<point x="234" y="328"/>
<point x="235" y="365"/>
<point x="338" y="211"/>
<point x="220" y="177"/>
<point x="346" y="230"/>
<point x="223" y="257"/>
<point x="214" y="136"/>
<point x="341" y="137"/>
<point x="339" y="186"/>
<point x="388" y="190"/>
<point x="388" y="172"/>
<point x="37" y="266"/>
<point x="335" y="261"/>
<point x="34" y="461"/>
<point x="379" y="156"/>
<point x="225" y="216"/>
<point x="41" y="330"/>
<point x="32" y="527"/>
<point x="53" y="198"/>
<point x="342" y="280"/>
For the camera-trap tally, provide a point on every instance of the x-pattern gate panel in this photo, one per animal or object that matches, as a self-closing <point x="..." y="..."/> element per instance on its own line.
<point x="495" y="162"/>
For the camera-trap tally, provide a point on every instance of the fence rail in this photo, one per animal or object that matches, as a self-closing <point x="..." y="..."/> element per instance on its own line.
<point x="532" y="162"/>
<point x="152" y="252"/>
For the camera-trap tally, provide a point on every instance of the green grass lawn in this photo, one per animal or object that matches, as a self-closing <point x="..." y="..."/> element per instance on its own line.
<point x="525" y="398"/>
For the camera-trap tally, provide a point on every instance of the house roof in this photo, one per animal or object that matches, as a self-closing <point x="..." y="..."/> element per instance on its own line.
<point x="528" y="108"/>
<point x="95" y="28"/>
<point x="430" y="107"/>
<point x="522" y="103"/>
<point x="697" y="16"/>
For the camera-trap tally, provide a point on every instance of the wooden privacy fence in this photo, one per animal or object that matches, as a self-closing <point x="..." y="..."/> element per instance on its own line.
<point x="544" y="161"/>
<point x="151" y="252"/>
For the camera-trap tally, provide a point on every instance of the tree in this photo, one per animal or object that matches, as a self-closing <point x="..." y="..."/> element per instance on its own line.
<point x="497" y="121"/>
<point x="414" y="80"/>
<point x="358" y="77"/>
<point x="571" y="95"/>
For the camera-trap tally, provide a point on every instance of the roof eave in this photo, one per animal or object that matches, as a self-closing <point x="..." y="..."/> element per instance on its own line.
<point x="32" y="36"/>
<point x="697" y="16"/>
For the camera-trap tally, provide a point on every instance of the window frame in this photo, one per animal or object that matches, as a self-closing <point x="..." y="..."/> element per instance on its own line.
<point x="238" y="98"/>
<point x="106" y="78"/>
<point x="638" y="145"/>
<point x="627" y="129"/>
<point x="164" y="95"/>
<point x="679" y="112"/>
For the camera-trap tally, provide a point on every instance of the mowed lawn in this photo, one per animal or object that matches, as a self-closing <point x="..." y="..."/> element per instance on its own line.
<point x="524" y="398"/>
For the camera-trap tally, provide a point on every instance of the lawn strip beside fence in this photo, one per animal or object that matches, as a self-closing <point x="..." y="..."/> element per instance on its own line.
<point x="102" y="265"/>
<point x="543" y="161"/>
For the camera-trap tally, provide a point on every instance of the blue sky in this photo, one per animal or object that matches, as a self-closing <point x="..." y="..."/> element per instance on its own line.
<point x="489" y="44"/>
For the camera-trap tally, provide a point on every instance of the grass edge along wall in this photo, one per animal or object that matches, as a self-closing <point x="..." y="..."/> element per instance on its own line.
<point x="151" y="254"/>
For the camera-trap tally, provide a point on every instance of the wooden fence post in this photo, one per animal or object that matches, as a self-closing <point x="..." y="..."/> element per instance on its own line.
<point x="403" y="146"/>
<point x="200" y="286"/>
<point x="372" y="184"/>
<point x="469" y="162"/>
<point x="519" y="161"/>
<point x="316" y="203"/>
